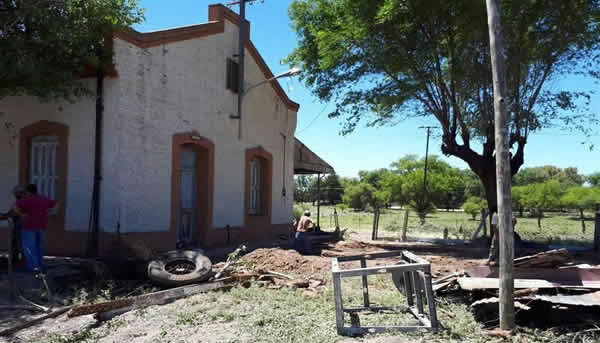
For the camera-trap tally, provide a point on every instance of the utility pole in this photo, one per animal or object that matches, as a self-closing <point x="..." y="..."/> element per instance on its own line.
<point x="241" y="59"/>
<point x="428" y="128"/>
<point x="503" y="172"/>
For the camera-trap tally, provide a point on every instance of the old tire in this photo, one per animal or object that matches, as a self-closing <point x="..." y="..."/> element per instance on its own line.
<point x="179" y="268"/>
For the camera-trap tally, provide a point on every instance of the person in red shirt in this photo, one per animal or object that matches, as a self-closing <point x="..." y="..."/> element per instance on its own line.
<point x="34" y="209"/>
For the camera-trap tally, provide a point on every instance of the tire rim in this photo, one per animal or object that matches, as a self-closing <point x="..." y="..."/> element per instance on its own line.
<point x="180" y="267"/>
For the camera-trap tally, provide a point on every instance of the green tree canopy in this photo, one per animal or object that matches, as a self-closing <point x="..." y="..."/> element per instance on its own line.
<point x="593" y="179"/>
<point x="581" y="198"/>
<point x="543" y="197"/>
<point x="474" y="205"/>
<point x="333" y="189"/>
<point x="47" y="45"/>
<point x="382" y="61"/>
<point x="567" y="177"/>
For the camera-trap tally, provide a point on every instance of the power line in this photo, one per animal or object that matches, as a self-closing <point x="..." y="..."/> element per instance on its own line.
<point x="314" y="119"/>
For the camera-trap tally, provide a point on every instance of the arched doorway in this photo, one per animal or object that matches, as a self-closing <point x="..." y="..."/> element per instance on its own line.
<point x="192" y="188"/>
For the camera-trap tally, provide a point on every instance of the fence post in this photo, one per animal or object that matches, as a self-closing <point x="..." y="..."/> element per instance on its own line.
<point x="405" y="226"/>
<point x="597" y="228"/>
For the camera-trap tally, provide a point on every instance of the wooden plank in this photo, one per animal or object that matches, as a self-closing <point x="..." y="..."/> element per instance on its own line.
<point x="376" y="308"/>
<point x="339" y="307"/>
<point x="155" y="298"/>
<point x="471" y="283"/>
<point x="35" y="321"/>
<point x="412" y="258"/>
<point x="365" y="285"/>
<point x="370" y="256"/>
<point x="430" y="300"/>
<point x="335" y="267"/>
<point x="408" y="288"/>
<point x="418" y="283"/>
<point x="420" y="317"/>
<point x="380" y="329"/>
<point x="381" y="269"/>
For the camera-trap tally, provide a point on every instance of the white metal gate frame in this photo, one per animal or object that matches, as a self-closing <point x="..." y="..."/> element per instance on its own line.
<point x="412" y="277"/>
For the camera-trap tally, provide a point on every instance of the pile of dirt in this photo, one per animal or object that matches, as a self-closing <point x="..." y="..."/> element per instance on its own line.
<point x="288" y="262"/>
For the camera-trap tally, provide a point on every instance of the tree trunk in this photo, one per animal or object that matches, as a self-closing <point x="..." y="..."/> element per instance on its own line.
<point x="540" y="215"/>
<point x="582" y="220"/>
<point x="521" y="211"/>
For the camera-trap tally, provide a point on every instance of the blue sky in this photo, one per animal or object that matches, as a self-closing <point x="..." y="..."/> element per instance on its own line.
<point x="366" y="148"/>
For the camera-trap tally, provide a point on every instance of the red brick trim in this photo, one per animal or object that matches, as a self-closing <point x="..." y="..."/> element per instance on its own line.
<point x="44" y="128"/>
<point x="205" y="177"/>
<point x="252" y="222"/>
<point x="217" y="14"/>
<point x="149" y="39"/>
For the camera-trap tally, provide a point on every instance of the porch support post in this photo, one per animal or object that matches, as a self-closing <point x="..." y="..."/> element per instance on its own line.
<point x="319" y="200"/>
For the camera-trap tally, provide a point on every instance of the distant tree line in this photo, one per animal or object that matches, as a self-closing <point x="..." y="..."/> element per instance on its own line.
<point x="536" y="189"/>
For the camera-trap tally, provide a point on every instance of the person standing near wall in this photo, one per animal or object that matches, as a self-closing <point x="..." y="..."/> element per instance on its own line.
<point x="34" y="209"/>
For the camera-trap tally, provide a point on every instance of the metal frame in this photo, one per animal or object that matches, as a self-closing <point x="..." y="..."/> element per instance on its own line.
<point x="412" y="276"/>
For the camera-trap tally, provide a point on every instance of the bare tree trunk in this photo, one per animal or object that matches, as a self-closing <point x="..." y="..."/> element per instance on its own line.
<point x="582" y="220"/>
<point x="540" y="215"/>
<point x="503" y="168"/>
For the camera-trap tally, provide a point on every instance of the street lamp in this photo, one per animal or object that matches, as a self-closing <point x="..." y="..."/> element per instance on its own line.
<point x="292" y="72"/>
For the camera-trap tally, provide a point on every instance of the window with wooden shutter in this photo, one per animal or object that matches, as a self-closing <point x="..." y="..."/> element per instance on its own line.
<point x="44" y="166"/>
<point x="255" y="185"/>
<point x="232" y="75"/>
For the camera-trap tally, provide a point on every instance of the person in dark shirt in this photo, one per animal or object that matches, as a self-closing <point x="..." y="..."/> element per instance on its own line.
<point x="34" y="210"/>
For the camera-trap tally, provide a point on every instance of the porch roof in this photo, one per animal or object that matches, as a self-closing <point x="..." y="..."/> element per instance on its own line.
<point x="307" y="162"/>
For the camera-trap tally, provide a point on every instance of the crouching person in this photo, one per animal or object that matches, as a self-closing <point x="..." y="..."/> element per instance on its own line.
<point x="304" y="227"/>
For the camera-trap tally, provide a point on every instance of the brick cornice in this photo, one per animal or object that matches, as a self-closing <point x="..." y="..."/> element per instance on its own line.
<point x="217" y="14"/>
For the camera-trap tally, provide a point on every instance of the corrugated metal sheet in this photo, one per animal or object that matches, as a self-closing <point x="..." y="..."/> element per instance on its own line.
<point x="563" y="277"/>
<point x="589" y="299"/>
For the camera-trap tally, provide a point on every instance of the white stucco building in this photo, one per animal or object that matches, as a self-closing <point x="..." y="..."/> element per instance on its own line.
<point x="174" y="168"/>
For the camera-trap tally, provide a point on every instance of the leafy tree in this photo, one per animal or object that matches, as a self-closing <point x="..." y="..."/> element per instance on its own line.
<point x="445" y="185"/>
<point x="568" y="177"/>
<point x="422" y="203"/>
<point x="473" y="186"/>
<point x="543" y="196"/>
<point x="301" y="188"/>
<point x="384" y="61"/>
<point x="333" y="189"/>
<point x="593" y="179"/>
<point x="392" y="183"/>
<point x="373" y="177"/>
<point x="47" y="45"/>
<point x="474" y="205"/>
<point x="581" y="198"/>
<point x="359" y="196"/>
<point x="518" y="198"/>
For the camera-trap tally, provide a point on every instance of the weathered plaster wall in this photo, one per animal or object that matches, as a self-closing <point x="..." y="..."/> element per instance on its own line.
<point x="180" y="87"/>
<point x="80" y="118"/>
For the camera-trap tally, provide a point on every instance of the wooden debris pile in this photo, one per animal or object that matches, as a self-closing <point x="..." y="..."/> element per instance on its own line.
<point x="549" y="290"/>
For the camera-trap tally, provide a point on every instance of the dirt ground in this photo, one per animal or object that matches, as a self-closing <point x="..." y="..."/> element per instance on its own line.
<point x="172" y="322"/>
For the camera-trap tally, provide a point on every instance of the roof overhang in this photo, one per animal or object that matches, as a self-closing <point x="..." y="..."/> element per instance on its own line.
<point x="307" y="162"/>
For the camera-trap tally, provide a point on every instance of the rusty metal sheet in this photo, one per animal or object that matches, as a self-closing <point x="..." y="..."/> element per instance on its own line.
<point x="589" y="299"/>
<point x="572" y="277"/>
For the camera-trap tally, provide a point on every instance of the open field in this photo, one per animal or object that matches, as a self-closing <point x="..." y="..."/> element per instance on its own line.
<point x="557" y="228"/>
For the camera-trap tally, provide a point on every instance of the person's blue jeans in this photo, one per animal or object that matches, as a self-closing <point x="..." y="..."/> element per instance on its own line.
<point x="33" y="248"/>
<point x="302" y="243"/>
